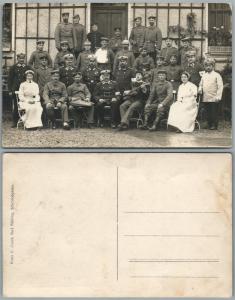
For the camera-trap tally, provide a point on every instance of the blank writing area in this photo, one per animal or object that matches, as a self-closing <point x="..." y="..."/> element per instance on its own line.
<point x="174" y="226"/>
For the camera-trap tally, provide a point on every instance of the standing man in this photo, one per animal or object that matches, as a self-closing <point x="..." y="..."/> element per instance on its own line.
<point x="153" y="38"/>
<point x="64" y="32"/>
<point x="168" y="51"/>
<point x="124" y="52"/>
<point x="91" y="74"/>
<point x="79" y="35"/>
<point x="34" y="60"/>
<point x="137" y="36"/>
<point x="193" y="67"/>
<point x="104" y="55"/>
<point x="95" y="37"/>
<point x="82" y="60"/>
<point x="68" y="71"/>
<point x="115" y="42"/>
<point x="15" y="78"/>
<point x="186" y="46"/>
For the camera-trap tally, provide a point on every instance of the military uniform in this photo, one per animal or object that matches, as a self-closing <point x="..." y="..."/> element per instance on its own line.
<point x="65" y="32"/>
<point x="80" y="91"/>
<point x="183" y="54"/>
<point x="123" y="78"/>
<point x="53" y="93"/>
<point x="95" y="38"/>
<point x="42" y="76"/>
<point x="130" y="58"/>
<point x="143" y="63"/>
<point x="59" y="59"/>
<point x="194" y="70"/>
<point x="161" y="93"/>
<point x="115" y="44"/>
<point x="15" y="78"/>
<point x="91" y="76"/>
<point x="67" y="74"/>
<point x="167" y="52"/>
<point x="34" y="60"/>
<point x="79" y="38"/>
<point x="107" y="91"/>
<point x="174" y="75"/>
<point x="154" y="73"/>
<point x="83" y="60"/>
<point x="137" y="39"/>
<point x="153" y="40"/>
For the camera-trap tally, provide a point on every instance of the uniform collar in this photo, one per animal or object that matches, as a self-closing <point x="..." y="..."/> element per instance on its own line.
<point x="69" y="68"/>
<point x="20" y="65"/>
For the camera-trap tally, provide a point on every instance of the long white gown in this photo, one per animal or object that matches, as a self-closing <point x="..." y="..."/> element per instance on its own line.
<point x="183" y="112"/>
<point x="30" y="91"/>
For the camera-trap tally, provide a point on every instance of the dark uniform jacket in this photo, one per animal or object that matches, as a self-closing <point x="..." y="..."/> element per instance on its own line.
<point x="143" y="63"/>
<point x="64" y="32"/>
<point x="54" y="92"/>
<point x="106" y="91"/>
<point x="91" y="76"/>
<point x="78" y="90"/>
<point x="16" y="76"/>
<point x="174" y="75"/>
<point x="130" y="58"/>
<point x="154" y="74"/>
<point x="194" y="70"/>
<point x="59" y="59"/>
<point x="82" y="60"/>
<point x="161" y="92"/>
<point x="153" y="37"/>
<point x="42" y="76"/>
<point x="67" y="74"/>
<point x="115" y="43"/>
<point x="123" y="79"/>
<point x="34" y="60"/>
<point x="95" y="38"/>
<point x="137" y="38"/>
<point x="167" y="52"/>
<point x="79" y="36"/>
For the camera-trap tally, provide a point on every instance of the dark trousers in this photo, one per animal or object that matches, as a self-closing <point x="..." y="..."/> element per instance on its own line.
<point x="128" y="108"/>
<point x="15" y="115"/>
<point x="212" y="113"/>
<point x="76" y="110"/>
<point x="115" y="113"/>
<point x="76" y="53"/>
<point x="50" y="108"/>
<point x="151" y="109"/>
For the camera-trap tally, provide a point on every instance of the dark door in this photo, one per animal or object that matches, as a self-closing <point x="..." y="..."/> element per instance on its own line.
<point x="109" y="16"/>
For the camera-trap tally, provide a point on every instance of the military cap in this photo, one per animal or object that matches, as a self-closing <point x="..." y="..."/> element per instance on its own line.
<point x="162" y="71"/>
<point x="104" y="38"/>
<point x="65" y="14"/>
<point x="91" y="57"/>
<point x="159" y="57"/>
<point x="68" y="56"/>
<point x="56" y="71"/>
<point x="87" y="43"/>
<point x="209" y="60"/>
<point x="76" y="16"/>
<point x="64" y="43"/>
<point x="20" y="55"/>
<point x="29" y="72"/>
<point x="186" y="39"/>
<point x="117" y="28"/>
<point x="123" y="57"/>
<point x="105" y="72"/>
<point x="125" y="42"/>
<point x="40" y="42"/>
<point x="138" y="18"/>
<point x="151" y="17"/>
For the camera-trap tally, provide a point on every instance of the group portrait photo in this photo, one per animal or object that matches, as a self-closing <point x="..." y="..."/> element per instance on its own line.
<point x="123" y="75"/>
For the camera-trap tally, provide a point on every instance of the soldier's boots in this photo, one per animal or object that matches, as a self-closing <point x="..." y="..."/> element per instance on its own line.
<point x="145" y="125"/>
<point x="155" y="124"/>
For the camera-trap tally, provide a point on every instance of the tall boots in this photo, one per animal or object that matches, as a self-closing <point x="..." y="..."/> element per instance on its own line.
<point x="155" y="124"/>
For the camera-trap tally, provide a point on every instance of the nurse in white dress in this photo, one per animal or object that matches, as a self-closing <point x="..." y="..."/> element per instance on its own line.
<point x="30" y="102"/>
<point x="183" y="112"/>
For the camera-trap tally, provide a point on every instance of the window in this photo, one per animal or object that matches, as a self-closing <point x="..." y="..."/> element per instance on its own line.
<point x="7" y="30"/>
<point x="220" y="25"/>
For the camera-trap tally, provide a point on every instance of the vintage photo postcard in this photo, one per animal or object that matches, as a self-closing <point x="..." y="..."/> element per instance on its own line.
<point x="104" y="75"/>
<point x="156" y="225"/>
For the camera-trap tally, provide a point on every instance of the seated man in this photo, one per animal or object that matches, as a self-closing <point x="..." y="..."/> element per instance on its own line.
<point x="135" y="100"/>
<point x="160" y="97"/>
<point x="55" y="96"/>
<point x="76" y="92"/>
<point x="106" y="94"/>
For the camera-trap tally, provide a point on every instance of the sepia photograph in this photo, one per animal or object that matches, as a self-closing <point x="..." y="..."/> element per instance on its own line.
<point x="116" y="75"/>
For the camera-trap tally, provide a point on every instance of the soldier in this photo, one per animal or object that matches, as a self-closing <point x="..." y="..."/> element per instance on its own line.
<point x="174" y="72"/>
<point x="55" y="96"/>
<point x="106" y="94"/>
<point x="59" y="59"/>
<point x="193" y="67"/>
<point x="104" y="55"/>
<point x="79" y="35"/>
<point x="144" y="63"/>
<point x="124" y="52"/>
<point x="159" y="66"/>
<point x="95" y="37"/>
<point x="34" y="60"/>
<point x="79" y="91"/>
<point x="82" y="60"/>
<point x="153" y="38"/>
<point x="168" y="51"/>
<point x="115" y="42"/>
<point x="91" y="74"/>
<point x="64" y="32"/>
<point x="137" y="36"/>
<point x="68" y="71"/>
<point x="186" y="46"/>
<point x="135" y="100"/>
<point x="160" y="97"/>
<point x="15" y="78"/>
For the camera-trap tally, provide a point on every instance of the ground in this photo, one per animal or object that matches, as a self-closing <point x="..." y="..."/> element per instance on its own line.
<point x="108" y="138"/>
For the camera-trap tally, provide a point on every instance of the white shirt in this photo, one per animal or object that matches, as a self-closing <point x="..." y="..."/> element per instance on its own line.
<point x="102" y="56"/>
<point x="212" y="86"/>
